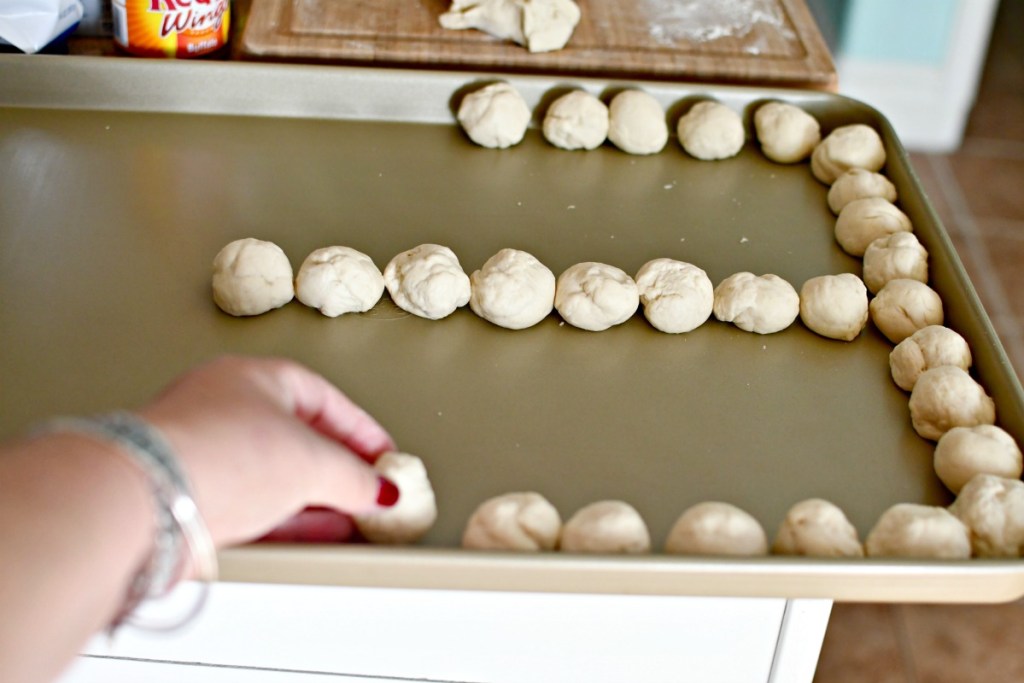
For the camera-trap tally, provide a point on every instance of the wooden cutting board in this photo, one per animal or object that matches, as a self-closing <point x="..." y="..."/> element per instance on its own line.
<point x="763" y="42"/>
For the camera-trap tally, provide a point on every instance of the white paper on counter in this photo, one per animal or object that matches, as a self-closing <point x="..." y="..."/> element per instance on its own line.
<point x="30" y="25"/>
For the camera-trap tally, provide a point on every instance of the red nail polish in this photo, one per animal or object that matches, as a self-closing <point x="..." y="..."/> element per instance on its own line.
<point x="387" y="494"/>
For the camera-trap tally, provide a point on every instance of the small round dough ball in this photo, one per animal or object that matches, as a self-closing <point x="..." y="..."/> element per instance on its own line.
<point x="902" y="307"/>
<point x="859" y="183"/>
<point x="512" y="289"/>
<point x="930" y="347"/>
<point x="817" y="528"/>
<point x="787" y="133"/>
<point x="756" y="303"/>
<point x="899" y="256"/>
<point x="339" y="280"/>
<point x="964" y="452"/>
<point x="993" y="509"/>
<point x="514" y="521"/>
<point x="636" y="123"/>
<point x="414" y="513"/>
<point x="427" y="281"/>
<point x="947" y="397"/>
<point x="677" y="296"/>
<point x="711" y="130"/>
<point x="494" y="116"/>
<point x="853" y="146"/>
<point x="576" y="120"/>
<point x="919" y="531"/>
<point x="251" y="276"/>
<point x="608" y="526"/>
<point x="863" y="221"/>
<point x="835" y="306"/>
<point x="715" y="528"/>
<point x="596" y="296"/>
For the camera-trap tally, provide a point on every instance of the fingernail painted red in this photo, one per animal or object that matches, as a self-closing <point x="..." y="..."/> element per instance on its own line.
<point x="387" y="494"/>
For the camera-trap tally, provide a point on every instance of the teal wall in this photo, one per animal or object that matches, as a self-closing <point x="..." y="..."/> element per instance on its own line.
<point x="916" y="31"/>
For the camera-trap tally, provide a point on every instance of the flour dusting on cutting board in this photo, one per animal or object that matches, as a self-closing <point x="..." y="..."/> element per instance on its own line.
<point x="673" y="21"/>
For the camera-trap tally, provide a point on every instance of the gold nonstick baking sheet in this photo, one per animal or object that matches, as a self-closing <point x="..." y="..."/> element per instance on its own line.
<point x="121" y="179"/>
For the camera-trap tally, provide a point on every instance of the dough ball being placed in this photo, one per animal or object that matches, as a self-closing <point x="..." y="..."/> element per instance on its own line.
<point x="919" y="531"/>
<point x="756" y="303"/>
<point x="835" y="306"/>
<point x="947" y="397"/>
<point x="714" y="528"/>
<point x="636" y="123"/>
<point x="538" y="25"/>
<point x="339" y="280"/>
<point x="596" y="296"/>
<point x="902" y="307"/>
<point x="859" y="183"/>
<point x="711" y="130"/>
<point x="863" y="221"/>
<point x="609" y="526"/>
<point x="786" y="132"/>
<point x="576" y="120"/>
<point x="853" y="146"/>
<point x="964" y="452"/>
<point x="899" y="256"/>
<point x="817" y="528"/>
<point x="513" y="289"/>
<point x="251" y="276"/>
<point x="514" y="521"/>
<point x="677" y="296"/>
<point x="427" y="281"/>
<point x="993" y="509"/>
<point x="494" y="116"/>
<point x="414" y="513"/>
<point x="929" y="347"/>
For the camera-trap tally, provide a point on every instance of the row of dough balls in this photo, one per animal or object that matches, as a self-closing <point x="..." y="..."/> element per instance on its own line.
<point x="497" y="116"/>
<point x="986" y="520"/>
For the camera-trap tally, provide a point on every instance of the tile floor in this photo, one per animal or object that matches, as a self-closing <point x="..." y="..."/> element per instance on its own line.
<point x="979" y="193"/>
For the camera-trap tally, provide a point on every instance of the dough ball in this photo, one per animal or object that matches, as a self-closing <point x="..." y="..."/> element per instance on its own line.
<point x="512" y="289"/>
<point x="859" y="183"/>
<point x="902" y="307"/>
<point x="786" y="132"/>
<point x="964" y="452"/>
<point x="919" y="531"/>
<point x="596" y="296"/>
<point x="993" y="509"/>
<point x="494" y="116"/>
<point x="930" y="347"/>
<point x="339" y="280"/>
<point x="677" y="296"/>
<point x="251" y="276"/>
<point x="947" y="397"/>
<point x="715" y="528"/>
<point x="538" y="25"/>
<point x="427" y="281"/>
<point x="711" y="130"/>
<point x="863" y="221"/>
<point x="609" y="526"/>
<point x="817" y="528"/>
<point x="514" y="521"/>
<point x="899" y="256"/>
<point x="835" y="306"/>
<point x="756" y="303"/>
<point x="414" y="513"/>
<point x="576" y="120"/>
<point x="846" y="147"/>
<point x="636" y="123"/>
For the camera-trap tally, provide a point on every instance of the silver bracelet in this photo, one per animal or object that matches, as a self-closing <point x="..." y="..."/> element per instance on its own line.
<point x="181" y="532"/>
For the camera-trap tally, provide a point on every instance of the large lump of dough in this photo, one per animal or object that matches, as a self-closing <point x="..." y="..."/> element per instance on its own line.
<point x="538" y="25"/>
<point x="339" y="280"/>
<point x="512" y="289"/>
<point x="787" y="133"/>
<point x="514" y="521"/>
<point x="993" y="509"/>
<point x="947" y="397"/>
<point x="251" y="276"/>
<point x="711" y="130"/>
<point x="919" y="531"/>
<point x="636" y="123"/>
<point x="817" y="528"/>
<point x="965" y="452"/>
<point x="608" y="526"/>
<point x="494" y="116"/>
<point x="715" y="528"/>
<point x="416" y="510"/>
<point x="835" y="306"/>
<point x="427" y="281"/>
<point x="677" y="296"/>
<point x="596" y="296"/>
<point x="756" y="303"/>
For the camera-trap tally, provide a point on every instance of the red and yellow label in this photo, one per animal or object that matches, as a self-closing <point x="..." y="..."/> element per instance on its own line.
<point x="171" y="28"/>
